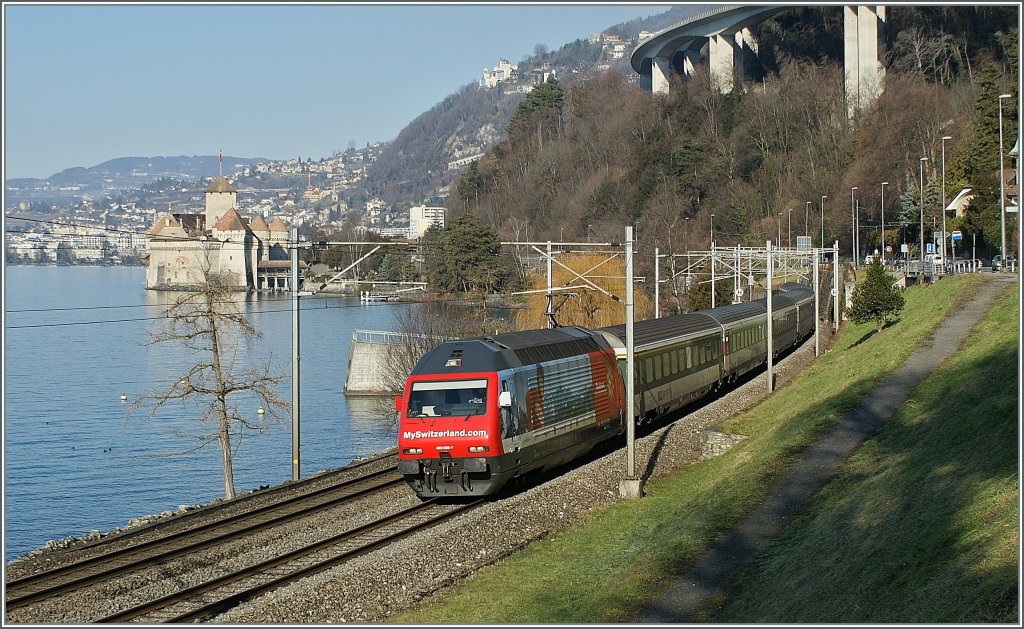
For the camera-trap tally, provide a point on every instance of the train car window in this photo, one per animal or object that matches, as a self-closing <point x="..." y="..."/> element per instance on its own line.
<point x="675" y="363"/>
<point x="689" y="357"/>
<point x="664" y="365"/>
<point x="649" y="368"/>
<point x="657" y="368"/>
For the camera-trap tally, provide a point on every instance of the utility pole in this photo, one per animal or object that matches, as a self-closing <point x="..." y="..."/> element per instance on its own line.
<point x="923" y="160"/>
<point x="657" y="293"/>
<point x="823" y="197"/>
<point x="296" y="281"/>
<point x="631" y="486"/>
<point x="853" y="226"/>
<point x="768" y="286"/>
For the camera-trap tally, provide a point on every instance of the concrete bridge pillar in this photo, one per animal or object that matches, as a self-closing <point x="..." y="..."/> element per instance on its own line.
<point x="691" y="58"/>
<point x="746" y="48"/>
<point x="660" y="69"/>
<point x="721" y="58"/>
<point x="863" y="27"/>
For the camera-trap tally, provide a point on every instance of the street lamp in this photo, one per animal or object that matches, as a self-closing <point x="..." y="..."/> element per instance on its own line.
<point x="853" y="226"/>
<point x="807" y="218"/>
<point x="923" y="160"/>
<point x="856" y="231"/>
<point x="823" y="197"/>
<point x="944" y="234"/>
<point x="779" y="240"/>
<point x="1002" y="194"/>
<point x="789" y="235"/>
<point x="712" y="231"/>
<point x="882" y="251"/>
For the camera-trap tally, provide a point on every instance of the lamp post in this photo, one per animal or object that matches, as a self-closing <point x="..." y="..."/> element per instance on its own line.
<point x="789" y="235"/>
<point x="807" y="218"/>
<point x="853" y="226"/>
<point x="923" y="160"/>
<point x="944" y="233"/>
<point x="712" y="231"/>
<point x="856" y="231"/>
<point x="1002" y="194"/>
<point x="884" y="184"/>
<point x="779" y="239"/>
<point x="823" y="197"/>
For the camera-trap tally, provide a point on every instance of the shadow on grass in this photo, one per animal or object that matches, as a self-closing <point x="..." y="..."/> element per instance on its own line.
<point x="919" y="526"/>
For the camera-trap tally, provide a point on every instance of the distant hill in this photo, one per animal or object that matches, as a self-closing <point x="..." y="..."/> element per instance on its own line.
<point x="410" y="168"/>
<point x="122" y="173"/>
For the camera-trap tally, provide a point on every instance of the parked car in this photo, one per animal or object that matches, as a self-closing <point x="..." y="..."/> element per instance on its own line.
<point x="998" y="263"/>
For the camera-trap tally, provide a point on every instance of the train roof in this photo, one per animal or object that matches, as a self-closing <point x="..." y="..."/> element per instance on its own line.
<point x="738" y="312"/>
<point x="656" y="330"/>
<point x="795" y="288"/>
<point x="512" y="349"/>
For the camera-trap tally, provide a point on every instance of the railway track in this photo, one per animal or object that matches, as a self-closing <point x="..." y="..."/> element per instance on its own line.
<point x="215" y="596"/>
<point x="61" y="580"/>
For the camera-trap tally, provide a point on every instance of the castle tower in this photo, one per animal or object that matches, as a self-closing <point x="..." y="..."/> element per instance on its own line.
<point x="220" y="197"/>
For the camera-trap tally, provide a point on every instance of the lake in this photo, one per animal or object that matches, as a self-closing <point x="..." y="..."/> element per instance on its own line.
<point x="75" y="461"/>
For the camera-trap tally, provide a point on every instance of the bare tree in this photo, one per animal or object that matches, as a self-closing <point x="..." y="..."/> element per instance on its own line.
<point x="209" y="323"/>
<point x="596" y="296"/>
<point x="422" y="329"/>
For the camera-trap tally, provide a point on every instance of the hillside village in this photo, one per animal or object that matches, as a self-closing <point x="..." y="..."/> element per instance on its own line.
<point x="108" y="225"/>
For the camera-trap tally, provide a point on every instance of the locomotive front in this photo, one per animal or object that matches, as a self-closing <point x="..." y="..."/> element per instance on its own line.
<point x="449" y="440"/>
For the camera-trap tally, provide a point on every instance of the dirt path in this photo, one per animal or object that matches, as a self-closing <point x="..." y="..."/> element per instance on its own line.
<point x="686" y="597"/>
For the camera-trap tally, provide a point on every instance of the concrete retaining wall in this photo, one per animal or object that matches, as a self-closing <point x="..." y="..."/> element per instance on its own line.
<point x="365" y="364"/>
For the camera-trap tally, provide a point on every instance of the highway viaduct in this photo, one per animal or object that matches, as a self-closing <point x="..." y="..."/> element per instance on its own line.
<point x="725" y="33"/>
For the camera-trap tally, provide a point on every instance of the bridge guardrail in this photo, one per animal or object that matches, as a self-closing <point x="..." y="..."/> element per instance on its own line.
<point x="384" y="337"/>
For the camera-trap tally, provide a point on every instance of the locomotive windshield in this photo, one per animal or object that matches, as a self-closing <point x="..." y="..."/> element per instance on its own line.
<point x="450" y="398"/>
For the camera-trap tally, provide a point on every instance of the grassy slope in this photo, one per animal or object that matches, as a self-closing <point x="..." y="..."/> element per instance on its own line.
<point x="922" y="527"/>
<point x="613" y="565"/>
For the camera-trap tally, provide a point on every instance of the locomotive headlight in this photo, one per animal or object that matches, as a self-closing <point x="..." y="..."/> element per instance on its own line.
<point x="478" y="448"/>
<point x="412" y="450"/>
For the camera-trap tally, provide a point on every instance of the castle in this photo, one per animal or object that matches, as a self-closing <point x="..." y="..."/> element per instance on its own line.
<point x="250" y="254"/>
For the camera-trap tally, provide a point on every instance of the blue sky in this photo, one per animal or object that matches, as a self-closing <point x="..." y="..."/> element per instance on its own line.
<point x="87" y="83"/>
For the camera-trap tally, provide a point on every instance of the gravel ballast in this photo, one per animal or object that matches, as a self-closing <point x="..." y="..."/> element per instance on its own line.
<point x="370" y="588"/>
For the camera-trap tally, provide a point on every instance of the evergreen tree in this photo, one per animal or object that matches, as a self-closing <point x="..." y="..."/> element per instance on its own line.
<point x="464" y="257"/>
<point x="698" y="295"/>
<point x="876" y="298"/>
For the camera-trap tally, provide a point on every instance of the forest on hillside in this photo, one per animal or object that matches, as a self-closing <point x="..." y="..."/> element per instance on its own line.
<point x="473" y="119"/>
<point x="583" y="160"/>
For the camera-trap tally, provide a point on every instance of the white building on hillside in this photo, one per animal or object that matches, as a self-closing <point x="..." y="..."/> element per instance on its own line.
<point x="422" y="217"/>
<point x="504" y="71"/>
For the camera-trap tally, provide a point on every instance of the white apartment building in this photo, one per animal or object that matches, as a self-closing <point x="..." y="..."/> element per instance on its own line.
<point x="422" y="217"/>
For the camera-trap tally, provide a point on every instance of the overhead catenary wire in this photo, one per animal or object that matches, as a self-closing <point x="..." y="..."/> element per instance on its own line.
<point x="157" y="318"/>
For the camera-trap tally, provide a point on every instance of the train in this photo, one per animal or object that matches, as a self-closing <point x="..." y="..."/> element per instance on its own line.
<point x="478" y="413"/>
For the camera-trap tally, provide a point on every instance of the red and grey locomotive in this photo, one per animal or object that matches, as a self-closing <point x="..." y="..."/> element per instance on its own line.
<point x="476" y="413"/>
